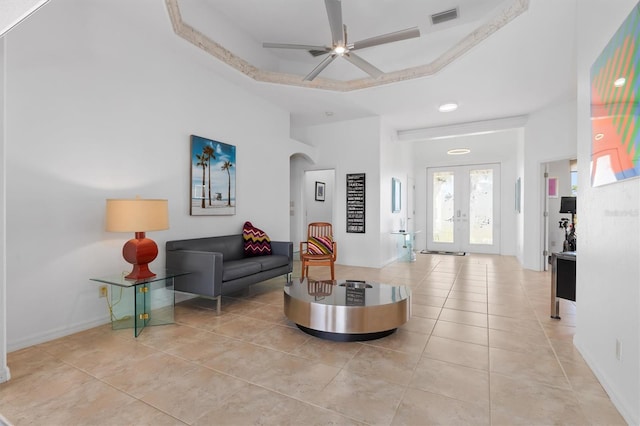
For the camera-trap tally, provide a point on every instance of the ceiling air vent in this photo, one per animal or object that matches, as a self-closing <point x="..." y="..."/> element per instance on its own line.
<point x="447" y="15"/>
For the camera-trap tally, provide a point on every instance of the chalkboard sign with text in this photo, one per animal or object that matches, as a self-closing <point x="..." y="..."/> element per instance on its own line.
<point x="355" y="203"/>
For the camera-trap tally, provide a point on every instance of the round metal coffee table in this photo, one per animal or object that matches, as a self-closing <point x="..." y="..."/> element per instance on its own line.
<point x="347" y="310"/>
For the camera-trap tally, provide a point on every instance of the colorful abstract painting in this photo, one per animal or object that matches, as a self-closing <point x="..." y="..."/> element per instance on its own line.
<point x="615" y="143"/>
<point x="213" y="177"/>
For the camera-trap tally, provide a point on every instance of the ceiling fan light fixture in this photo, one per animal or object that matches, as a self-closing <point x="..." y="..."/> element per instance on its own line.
<point x="448" y="107"/>
<point x="341" y="48"/>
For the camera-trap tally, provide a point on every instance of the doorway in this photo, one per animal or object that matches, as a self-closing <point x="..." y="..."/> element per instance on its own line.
<point x="559" y="179"/>
<point x="463" y="209"/>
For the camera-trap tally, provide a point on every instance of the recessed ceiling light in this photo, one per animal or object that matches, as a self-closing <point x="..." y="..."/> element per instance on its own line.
<point x="328" y="113"/>
<point x="620" y="82"/>
<point x="448" y="107"/>
<point x="458" y="151"/>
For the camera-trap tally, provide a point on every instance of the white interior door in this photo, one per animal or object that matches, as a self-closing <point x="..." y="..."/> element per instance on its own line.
<point x="463" y="209"/>
<point x="411" y="205"/>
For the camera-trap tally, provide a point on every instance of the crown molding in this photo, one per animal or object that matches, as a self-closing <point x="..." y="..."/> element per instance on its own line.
<point x="14" y="12"/>
<point x="198" y="39"/>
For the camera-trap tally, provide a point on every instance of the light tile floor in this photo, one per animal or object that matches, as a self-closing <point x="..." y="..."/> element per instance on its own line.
<point x="479" y="349"/>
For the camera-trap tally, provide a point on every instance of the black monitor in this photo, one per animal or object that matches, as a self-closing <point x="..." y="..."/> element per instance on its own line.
<point x="568" y="205"/>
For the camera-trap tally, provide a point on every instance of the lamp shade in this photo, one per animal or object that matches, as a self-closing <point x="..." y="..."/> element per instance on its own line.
<point x="137" y="215"/>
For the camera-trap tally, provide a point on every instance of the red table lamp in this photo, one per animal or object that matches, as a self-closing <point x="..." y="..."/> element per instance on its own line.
<point x="138" y="216"/>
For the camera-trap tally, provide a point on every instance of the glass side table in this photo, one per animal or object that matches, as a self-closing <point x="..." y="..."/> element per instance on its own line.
<point x="137" y="304"/>
<point x="407" y="239"/>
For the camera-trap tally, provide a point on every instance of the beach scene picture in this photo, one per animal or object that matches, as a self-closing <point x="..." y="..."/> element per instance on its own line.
<point x="213" y="177"/>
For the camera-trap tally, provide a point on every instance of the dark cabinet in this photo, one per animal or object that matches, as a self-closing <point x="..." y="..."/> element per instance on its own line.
<point x="563" y="280"/>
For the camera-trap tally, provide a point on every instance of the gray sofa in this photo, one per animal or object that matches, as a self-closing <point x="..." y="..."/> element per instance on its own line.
<point x="218" y="267"/>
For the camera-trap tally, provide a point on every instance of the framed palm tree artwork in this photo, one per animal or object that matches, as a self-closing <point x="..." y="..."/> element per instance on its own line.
<point x="213" y="177"/>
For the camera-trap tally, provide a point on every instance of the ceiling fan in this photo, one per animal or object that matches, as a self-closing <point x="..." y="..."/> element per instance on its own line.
<point x="340" y="46"/>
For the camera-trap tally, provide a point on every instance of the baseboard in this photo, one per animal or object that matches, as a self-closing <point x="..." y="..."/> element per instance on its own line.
<point x="448" y="253"/>
<point x="625" y="411"/>
<point x="36" y="339"/>
<point x="4" y="422"/>
<point x="5" y="375"/>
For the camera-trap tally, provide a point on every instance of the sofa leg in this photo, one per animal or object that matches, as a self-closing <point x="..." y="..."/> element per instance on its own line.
<point x="218" y="305"/>
<point x="289" y="277"/>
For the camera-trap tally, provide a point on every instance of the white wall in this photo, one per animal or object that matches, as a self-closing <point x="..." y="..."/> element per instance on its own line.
<point x="318" y="211"/>
<point x="4" y="369"/>
<point x="550" y="135"/>
<point x="519" y="214"/>
<point x="499" y="147"/>
<point x="98" y="108"/>
<point x="351" y="147"/>
<point x="608" y="287"/>
<point x="395" y="162"/>
<point x="299" y="164"/>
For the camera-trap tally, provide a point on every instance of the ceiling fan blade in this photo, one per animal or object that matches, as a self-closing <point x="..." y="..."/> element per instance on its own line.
<point x="316" y="53"/>
<point x="363" y="65"/>
<point x="317" y="70"/>
<point x="387" y="38"/>
<point x="334" y="12"/>
<point x="295" y="46"/>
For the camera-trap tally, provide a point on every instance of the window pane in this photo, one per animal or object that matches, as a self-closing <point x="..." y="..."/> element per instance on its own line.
<point x="481" y="207"/>
<point x="443" y="207"/>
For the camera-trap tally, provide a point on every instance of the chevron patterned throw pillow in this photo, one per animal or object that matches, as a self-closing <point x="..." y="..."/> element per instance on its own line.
<point x="320" y="245"/>
<point x="256" y="241"/>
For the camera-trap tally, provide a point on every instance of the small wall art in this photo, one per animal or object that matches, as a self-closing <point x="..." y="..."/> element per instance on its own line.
<point x="213" y="177"/>
<point x="320" y="191"/>
<point x="552" y="187"/>
<point x="356" y="203"/>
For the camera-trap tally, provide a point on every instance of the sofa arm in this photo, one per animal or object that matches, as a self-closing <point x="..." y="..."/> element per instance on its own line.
<point x="283" y="248"/>
<point x="205" y="271"/>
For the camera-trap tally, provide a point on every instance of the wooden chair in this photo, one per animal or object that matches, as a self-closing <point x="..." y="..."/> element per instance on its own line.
<point x="319" y="289"/>
<point x="319" y="249"/>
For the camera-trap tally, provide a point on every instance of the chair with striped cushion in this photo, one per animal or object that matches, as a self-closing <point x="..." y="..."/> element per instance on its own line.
<point x="319" y="249"/>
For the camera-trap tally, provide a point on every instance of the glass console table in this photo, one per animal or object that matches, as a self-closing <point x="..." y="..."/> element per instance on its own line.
<point x="408" y="237"/>
<point x="140" y="303"/>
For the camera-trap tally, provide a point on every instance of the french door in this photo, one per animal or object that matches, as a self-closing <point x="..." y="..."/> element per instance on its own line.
<point x="463" y="209"/>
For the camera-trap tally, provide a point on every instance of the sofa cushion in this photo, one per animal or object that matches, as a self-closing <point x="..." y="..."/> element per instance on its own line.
<point x="320" y="245"/>
<point x="239" y="268"/>
<point x="271" y="262"/>
<point x="256" y="241"/>
<point x="231" y="246"/>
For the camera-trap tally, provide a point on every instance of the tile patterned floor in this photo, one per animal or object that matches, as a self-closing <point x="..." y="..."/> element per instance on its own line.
<point x="480" y="349"/>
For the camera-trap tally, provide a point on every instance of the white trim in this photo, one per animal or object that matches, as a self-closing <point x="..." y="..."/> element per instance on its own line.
<point x="625" y="411"/>
<point x="5" y="374"/>
<point x="4" y="421"/>
<point x="512" y="10"/>
<point x="38" y="338"/>
<point x="21" y="16"/>
<point x="463" y="129"/>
